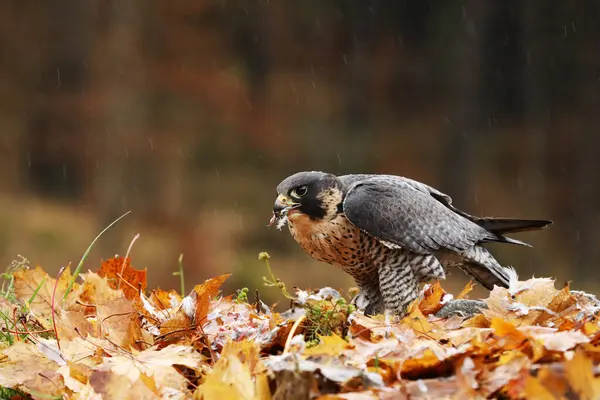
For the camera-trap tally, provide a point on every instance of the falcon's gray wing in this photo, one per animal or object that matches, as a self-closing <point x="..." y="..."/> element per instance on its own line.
<point x="403" y="213"/>
<point x="496" y="225"/>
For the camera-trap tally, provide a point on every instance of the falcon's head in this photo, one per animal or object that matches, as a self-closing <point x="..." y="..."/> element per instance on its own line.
<point x="317" y="195"/>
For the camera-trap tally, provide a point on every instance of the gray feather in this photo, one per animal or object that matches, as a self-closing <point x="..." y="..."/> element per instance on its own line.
<point x="402" y="212"/>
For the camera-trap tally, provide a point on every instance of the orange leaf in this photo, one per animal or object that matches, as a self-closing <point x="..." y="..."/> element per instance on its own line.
<point x="203" y="293"/>
<point x="535" y="390"/>
<point x="431" y="302"/>
<point x="162" y="298"/>
<point x="416" y="321"/>
<point x="121" y="275"/>
<point x="176" y="327"/>
<point x="466" y="290"/>
<point x="512" y="337"/>
<point x="426" y="365"/>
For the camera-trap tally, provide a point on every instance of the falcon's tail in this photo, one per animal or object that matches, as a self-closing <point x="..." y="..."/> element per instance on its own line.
<point x="484" y="268"/>
<point x="486" y="277"/>
<point x="511" y="225"/>
<point x="499" y="226"/>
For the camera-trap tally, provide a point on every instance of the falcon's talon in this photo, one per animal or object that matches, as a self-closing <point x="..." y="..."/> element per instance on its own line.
<point x="390" y="233"/>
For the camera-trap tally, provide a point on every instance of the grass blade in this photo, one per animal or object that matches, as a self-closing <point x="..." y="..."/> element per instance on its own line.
<point x="83" y="258"/>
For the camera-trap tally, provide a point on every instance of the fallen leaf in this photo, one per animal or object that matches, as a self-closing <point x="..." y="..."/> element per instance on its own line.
<point x="121" y="275"/>
<point x="561" y="341"/>
<point x="581" y="377"/>
<point x="114" y="386"/>
<point x="428" y="365"/>
<point x="232" y="375"/>
<point x="559" y="303"/>
<point x="511" y="337"/>
<point x="27" y="281"/>
<point x="431" y="302"/>
<point x="29" y="369"/>
<point x="466" y="290"/>
<point x="535" y="390"/>
<point x="332" y="345"/>
<point x="96" y="291"/>
<point x="416" y="321"/>
<point x="114" y="319"/>
<point x="155" y="364"/>
<point x="202" y="294"/>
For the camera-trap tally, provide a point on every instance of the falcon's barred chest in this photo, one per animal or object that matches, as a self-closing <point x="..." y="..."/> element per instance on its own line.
<point x="338" y="242"/>
<point x="334" y="241"/>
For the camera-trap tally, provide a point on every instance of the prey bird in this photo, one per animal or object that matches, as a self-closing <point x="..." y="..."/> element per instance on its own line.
<point x="390" y="233"/>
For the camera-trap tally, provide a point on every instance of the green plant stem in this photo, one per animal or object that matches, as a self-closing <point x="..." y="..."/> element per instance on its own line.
<point x="181" y="276"/>
<point x="87" y="252"/>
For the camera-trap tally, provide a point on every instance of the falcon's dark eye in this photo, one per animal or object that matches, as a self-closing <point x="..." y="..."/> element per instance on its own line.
<point x="299" y="191"/>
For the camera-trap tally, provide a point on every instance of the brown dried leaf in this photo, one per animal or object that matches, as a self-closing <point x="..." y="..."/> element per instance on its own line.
<point x="114" y="319"/>
<point x="27" y="282"/>
<point x="523" y="303"/>
<point x="155" y="364"/>
<point x="559" y="303"/>
<point x="71" y="324"/>
<point x="25" y="366"/>
<point x="556" y="383"/>
<point x="178" y="326"/>
<point x="477" y="321"/>
<point x="163" y="299"/>
<point x="95" y="291"/>
<point x="115" y="386"/>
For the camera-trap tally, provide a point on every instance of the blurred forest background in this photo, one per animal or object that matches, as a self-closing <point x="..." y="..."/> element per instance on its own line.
<point x="190" y="112"/>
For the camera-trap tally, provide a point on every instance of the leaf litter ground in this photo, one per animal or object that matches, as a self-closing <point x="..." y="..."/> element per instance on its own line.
<point x="107" y="336"/>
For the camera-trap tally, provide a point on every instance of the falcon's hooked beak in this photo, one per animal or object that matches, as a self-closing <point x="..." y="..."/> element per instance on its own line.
<point x="282" y="206"/>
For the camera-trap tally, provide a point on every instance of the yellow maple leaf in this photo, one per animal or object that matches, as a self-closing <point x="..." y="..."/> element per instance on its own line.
<point x="232" y="376"/>
<point x="418" y="322"/>
<point x="535" y="390"/>
<point x="580" y="375"/>
<point x="332" y="345"/>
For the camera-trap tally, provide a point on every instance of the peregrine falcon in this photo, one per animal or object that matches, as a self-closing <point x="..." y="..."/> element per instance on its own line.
<point x="390" y="233"/>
